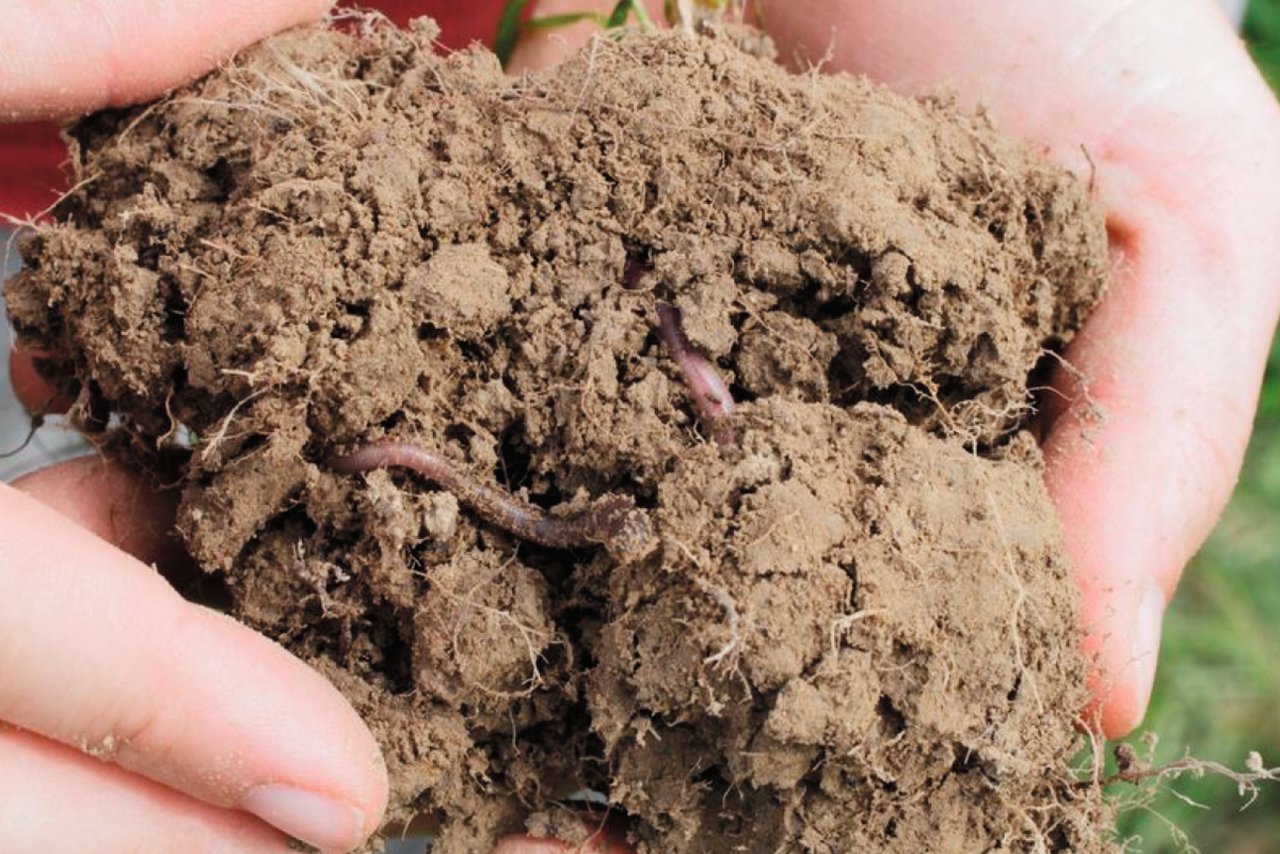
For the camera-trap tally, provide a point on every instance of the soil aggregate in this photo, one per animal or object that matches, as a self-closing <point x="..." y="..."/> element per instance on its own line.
<point x="846" y="624"/>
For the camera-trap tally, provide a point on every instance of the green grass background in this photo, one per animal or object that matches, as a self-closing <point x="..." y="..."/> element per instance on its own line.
<point x="1217" y="694"/>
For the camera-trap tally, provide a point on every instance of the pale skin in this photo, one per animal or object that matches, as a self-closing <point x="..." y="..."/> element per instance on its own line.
<point x="195" y="712"/>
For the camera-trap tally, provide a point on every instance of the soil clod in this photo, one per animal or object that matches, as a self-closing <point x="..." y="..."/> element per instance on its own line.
<point x="843" y="624"/>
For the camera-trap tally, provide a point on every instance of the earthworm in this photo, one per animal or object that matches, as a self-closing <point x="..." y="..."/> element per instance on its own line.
<point x="612" y="521"/>
<point x="711" y="397"/>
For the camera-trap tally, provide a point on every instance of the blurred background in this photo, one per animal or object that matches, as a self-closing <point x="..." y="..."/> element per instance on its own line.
<point x="1217" y="694"/>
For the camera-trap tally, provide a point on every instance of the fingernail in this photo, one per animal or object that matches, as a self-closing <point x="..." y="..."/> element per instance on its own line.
<point x="1146" y="647"/>
<point x="317" y="820"/>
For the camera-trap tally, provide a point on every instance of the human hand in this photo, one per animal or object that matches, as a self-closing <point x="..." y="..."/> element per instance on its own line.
<point x="1139" y="498"/>
<point x="200" y="721"/>
<point x="1157" y="103"/>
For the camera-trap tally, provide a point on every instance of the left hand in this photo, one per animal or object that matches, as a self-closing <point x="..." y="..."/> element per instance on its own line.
<point x="131" y="719"/>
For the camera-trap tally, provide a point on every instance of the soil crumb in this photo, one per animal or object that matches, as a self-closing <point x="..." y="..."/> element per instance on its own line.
<point x="840" y="621"/>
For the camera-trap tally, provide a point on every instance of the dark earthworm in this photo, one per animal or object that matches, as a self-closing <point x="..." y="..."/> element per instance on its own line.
<point x="711" y="397"/>
<point x="613" y="521"/>
<point x="633" y="273"/>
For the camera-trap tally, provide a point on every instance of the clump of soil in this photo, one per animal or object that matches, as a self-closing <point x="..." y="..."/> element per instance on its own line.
<point x="851" y="627"/>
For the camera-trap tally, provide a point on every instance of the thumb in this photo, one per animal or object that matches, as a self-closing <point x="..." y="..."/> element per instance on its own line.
<point x="60" y="58"/>
<point x="1123" y="646"/>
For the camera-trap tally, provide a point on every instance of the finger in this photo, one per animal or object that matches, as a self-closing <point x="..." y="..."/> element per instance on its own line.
<point x="99" y="652"/>
<point x="544" y="48"/>
<point x="36" y="395"/>
<point x="1174" y="355"/>
<point x="65" y="58"/>
<point x="1144" y="459"/>
<point x="114" y="503"/>
<point x="53" y="798"/>
<point x="128" y="510"/>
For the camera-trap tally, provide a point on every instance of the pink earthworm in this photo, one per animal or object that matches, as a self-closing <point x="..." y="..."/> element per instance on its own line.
<point x="711" y="397"/>
<point x="612" y="521"/>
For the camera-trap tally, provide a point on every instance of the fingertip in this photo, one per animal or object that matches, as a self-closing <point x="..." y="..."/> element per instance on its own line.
<point x="93" y="54"/>
<point x="360" y="781"/>
<point x="321" y="821"/>
<point x="1125" y="665"/>
<point x="303" y="760"/>
<point x="373" y="791"/>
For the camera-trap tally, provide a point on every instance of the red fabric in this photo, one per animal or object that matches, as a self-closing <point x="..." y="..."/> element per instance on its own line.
<point x="31" y="154"/>
<point x="30" y="172"/>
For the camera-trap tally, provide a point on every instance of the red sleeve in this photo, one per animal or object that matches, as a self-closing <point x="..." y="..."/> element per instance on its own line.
<point x="461" y="22"/>
<point x="30" y="175"/>
<point x="31" y="154"/>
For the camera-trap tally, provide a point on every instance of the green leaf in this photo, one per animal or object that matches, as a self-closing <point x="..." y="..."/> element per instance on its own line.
<point x="642" y="16"/>
<point x="510" y="25"/>
<point x="551" y="22"/>
<point x="504" y="43"/>
<point x="620" y="14"/>
<point x="624" y="10"/>
<point x="1262" y="32"/>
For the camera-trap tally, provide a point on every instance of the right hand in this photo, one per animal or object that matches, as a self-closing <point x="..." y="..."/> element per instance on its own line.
<point x="1157" y="102"/>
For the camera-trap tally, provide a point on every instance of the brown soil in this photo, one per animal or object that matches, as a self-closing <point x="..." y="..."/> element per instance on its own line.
<point x="852" y="629"/>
